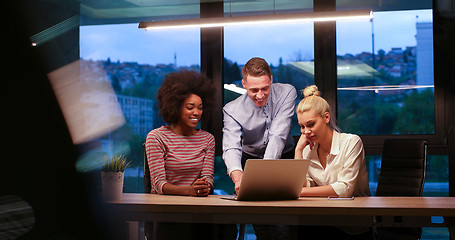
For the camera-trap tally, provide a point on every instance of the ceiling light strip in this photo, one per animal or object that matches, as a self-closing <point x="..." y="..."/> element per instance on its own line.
<point x="258" y="20"/>
<point x="385" y="88"/>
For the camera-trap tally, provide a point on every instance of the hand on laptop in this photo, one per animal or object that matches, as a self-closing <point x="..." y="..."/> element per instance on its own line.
<point x="236" y="177"/>
<point x="200" y="187"/>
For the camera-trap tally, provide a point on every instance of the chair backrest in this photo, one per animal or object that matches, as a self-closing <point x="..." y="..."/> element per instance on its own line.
<point x="403" y="167"/>
<point x="147" y="184"/>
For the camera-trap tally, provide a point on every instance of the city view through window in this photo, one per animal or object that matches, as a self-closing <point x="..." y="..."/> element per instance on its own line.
<point x="385" y="76"/>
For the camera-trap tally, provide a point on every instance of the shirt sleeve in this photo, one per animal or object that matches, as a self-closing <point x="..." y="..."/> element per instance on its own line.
<point x="309" y="181"/>
<point x="209" y="159"/>
<point x="281" y="125"/>
<point x="232" y="146"/>
<point x="347" y="177"/>
<point x="155" y="158"/>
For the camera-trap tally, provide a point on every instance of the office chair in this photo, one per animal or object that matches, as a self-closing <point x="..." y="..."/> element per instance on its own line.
<point x="403" y="168"/>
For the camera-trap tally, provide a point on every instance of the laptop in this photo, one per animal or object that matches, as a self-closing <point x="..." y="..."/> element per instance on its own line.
<point x="267" y="179"/>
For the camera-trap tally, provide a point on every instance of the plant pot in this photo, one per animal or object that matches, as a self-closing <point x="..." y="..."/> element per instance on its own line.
<point x="112" y="183"/>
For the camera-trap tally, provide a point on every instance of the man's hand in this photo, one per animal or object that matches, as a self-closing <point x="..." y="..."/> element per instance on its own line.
<point x="236" y="177"/>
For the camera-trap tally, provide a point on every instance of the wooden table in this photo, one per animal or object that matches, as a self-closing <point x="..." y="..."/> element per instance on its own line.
<point x="362" y="211"/>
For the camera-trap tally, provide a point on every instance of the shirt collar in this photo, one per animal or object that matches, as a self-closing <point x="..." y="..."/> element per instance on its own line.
<point x="335" y="148"/>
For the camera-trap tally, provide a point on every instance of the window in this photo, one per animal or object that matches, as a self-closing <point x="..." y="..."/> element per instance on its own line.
<point x="385" y="74"/>
<point x="289" y="50"/>
<point x="136" y="61"/>
<point x="385" y="87"/>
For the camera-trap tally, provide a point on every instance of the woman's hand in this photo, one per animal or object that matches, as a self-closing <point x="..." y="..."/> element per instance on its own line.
<point x="200" y="188"/>
<point x="302" y="143"/>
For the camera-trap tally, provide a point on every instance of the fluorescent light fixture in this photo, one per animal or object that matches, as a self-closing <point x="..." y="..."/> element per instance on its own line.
<point x="259" y="20"/>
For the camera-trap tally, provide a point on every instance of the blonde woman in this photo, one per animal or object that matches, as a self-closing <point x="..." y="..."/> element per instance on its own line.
<point x="337" y="166"/>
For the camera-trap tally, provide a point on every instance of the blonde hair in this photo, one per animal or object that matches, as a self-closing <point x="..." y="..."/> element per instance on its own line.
<point x="313" y="101"/>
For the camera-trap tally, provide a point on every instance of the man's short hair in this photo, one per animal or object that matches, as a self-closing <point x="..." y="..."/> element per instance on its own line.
<point x="256" y="67"/>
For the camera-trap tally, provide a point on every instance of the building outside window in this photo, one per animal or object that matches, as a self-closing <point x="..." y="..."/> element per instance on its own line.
<point x="385" y="86"/>
<point x="136" y="74"/>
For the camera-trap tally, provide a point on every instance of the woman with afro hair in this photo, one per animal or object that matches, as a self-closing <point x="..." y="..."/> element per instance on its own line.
<point x="180" y="156"/>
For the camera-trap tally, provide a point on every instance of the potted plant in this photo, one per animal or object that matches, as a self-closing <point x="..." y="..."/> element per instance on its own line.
<point x="112" y="174"/>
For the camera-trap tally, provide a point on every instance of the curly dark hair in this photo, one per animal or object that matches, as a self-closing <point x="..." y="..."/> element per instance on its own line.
<point x="177" y="86"/>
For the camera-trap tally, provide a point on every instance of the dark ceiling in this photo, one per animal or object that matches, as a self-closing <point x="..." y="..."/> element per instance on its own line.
<point x="118" y="11"/>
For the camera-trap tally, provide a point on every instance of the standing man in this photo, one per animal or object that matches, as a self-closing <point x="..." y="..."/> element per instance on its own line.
<point x="257" y="125"/>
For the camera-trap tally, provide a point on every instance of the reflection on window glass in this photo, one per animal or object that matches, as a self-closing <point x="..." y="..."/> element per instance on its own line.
<point x="385" y="74"/>
<point x="135" y="62"/>
<point x="288" y="49"/>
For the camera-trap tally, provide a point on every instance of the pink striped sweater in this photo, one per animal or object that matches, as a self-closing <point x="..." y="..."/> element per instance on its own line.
<point x="179" y="160"/>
